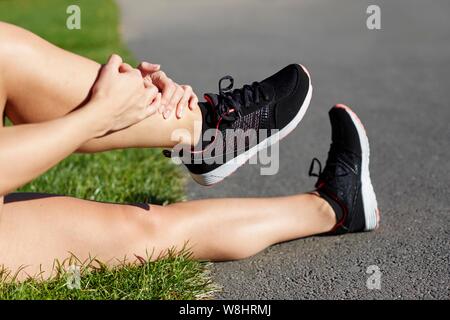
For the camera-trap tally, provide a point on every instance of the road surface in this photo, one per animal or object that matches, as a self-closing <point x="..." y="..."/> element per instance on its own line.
<point x="396" y="79"/>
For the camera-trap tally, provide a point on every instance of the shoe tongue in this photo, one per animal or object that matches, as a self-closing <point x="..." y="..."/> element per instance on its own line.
<point x="212" y="99"/>
<point x="209" y="109"/>
<point x="212" y="102"/>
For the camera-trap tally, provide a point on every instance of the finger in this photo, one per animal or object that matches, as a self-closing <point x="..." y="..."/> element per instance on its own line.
<point x="183" y="104"/>
<point x="150" y="95"/>
<point x="193" y="102"/>
<point x="191" y="94"/>
<point x="114" y="62"/>
<point x="184" y="100"/>
<point x="153" y="107"/>
<point x="165" y="85"/>
<point x="148" y="68"/>
<point x="148" y="83"/>
<point x="174" y="100"/>
<point x="147" y="99"/>
<point x="161" y="107"/>
<point x="135" y="75"/>
<point x="160" y="79"/>
<point x="168" y="90"/>
<point x="136" y="72"/>
<point x="125" y="67"/>
<point x="111" y="67"/>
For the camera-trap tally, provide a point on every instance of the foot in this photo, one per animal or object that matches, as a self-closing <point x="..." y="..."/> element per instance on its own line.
<point x="243" y="121"/>
<point x="345" y="181"/>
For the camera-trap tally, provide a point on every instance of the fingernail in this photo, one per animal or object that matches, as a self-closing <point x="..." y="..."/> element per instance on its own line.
<point x="166" y="114"/>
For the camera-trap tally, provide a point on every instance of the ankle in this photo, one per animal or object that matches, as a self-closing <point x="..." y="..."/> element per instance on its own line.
<point x="197" y="126"/>
<point x="189" y="131"/>
<point x="326" y="211"/>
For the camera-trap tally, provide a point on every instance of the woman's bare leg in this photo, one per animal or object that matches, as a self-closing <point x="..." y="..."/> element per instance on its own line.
<point x="44" y="82"/>
<point x="37" y="231"/>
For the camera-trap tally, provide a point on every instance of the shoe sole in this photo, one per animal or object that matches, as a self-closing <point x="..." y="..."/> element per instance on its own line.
<point x="228" y="168"/>
<point x="371" y="211"/>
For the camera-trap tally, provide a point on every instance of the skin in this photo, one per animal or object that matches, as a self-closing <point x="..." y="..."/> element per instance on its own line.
<point x="78" y="105"/>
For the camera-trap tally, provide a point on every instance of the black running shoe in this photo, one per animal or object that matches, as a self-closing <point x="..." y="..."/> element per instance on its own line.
<point x="345" y="181"/>
<point x="243" y="121"/>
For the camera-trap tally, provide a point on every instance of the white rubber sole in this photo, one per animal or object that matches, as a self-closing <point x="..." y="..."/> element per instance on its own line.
<point x="371" y="211"/>
<point x="231" y="166"/>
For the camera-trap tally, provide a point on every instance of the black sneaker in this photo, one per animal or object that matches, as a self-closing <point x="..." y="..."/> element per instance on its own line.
<point x="247" y="120"/>
<point x="345" y="181"/>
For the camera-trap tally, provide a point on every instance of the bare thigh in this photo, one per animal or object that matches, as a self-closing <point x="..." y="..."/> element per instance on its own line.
<point x="44" y="82"/>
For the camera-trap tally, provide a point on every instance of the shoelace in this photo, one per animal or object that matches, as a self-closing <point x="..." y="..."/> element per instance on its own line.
<point x="230" y="102"/>
<point x="329" y="172"/>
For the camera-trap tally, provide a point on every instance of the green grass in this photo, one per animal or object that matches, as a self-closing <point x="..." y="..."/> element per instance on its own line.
<point x="175" y="277"/>
<point x="117" y="176"/>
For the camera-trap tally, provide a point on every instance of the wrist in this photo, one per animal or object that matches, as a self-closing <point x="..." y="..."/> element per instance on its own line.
<point x="93" y="124"/>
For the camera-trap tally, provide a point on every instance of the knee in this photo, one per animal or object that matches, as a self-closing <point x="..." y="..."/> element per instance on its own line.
<point x="9" y="38"/>
<point x="142" y="219"/>
<point x="152" y="226"/>
<point x="15" y="42"/>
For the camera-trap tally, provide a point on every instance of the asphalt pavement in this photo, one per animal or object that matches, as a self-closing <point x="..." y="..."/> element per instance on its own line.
<point x="396" y="79"/>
